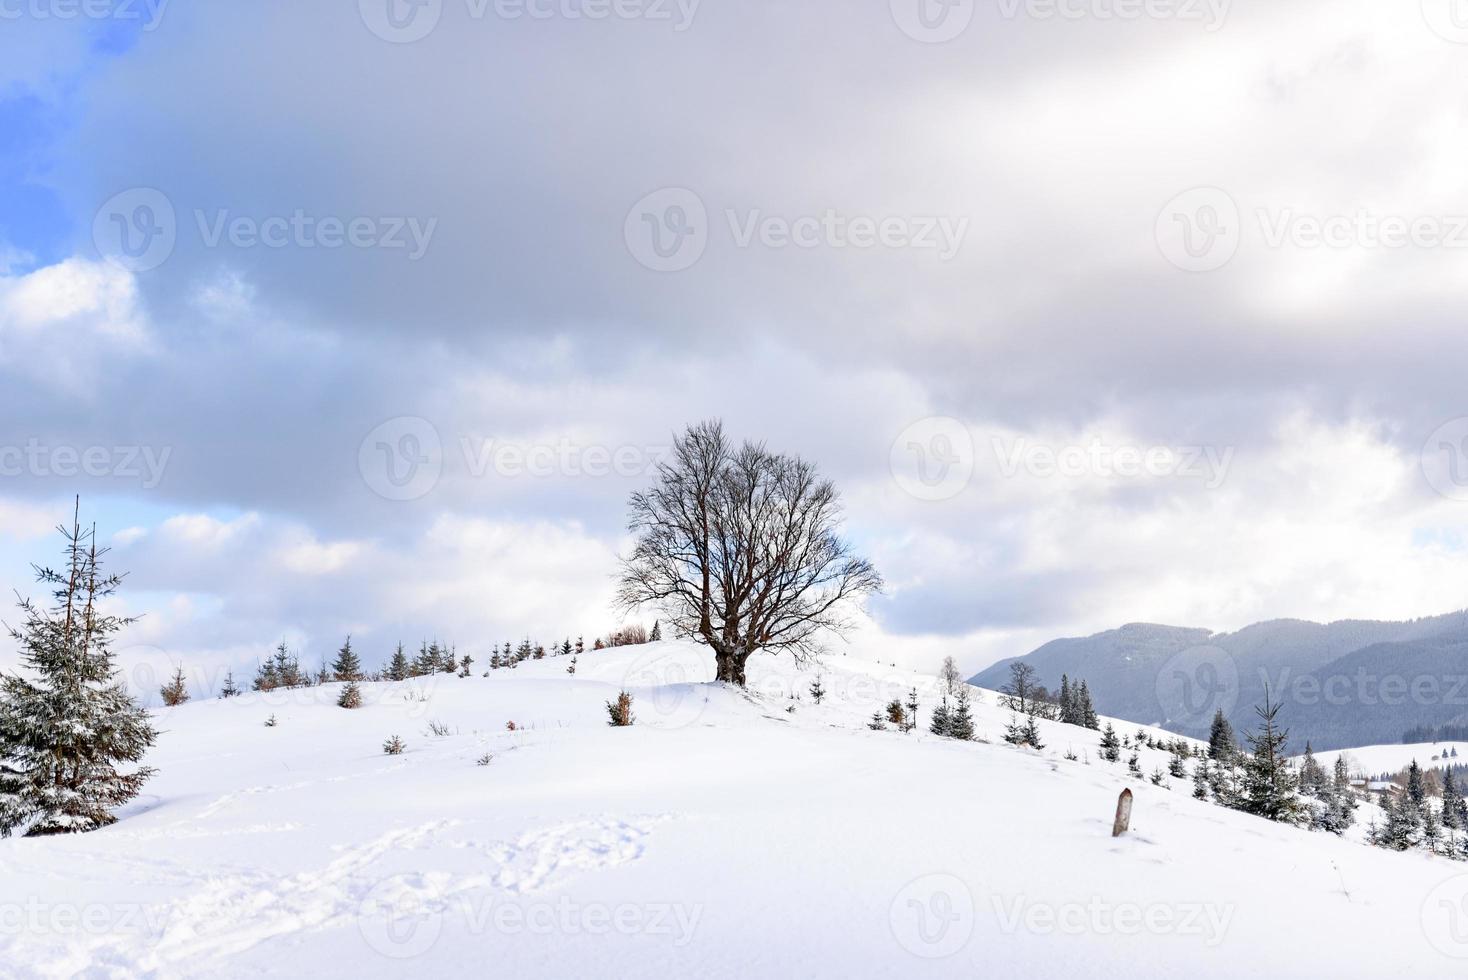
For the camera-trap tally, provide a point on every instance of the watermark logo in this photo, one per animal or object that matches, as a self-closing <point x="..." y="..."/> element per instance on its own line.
<point x="667" y="230"/>
<point x="70" y="920"/>
<point x="138" y="664"/>
<point x="136" y="229"/>
<point x="565" y="457"/>
<point x="1445" y="917"/>
<point x="932" y="21"/>
<point x="406" y="21"/>
<point x="1364" y="229"/>
<point x="1447" y="18"/>
<point x="1210" y="13"/>
<point x="1196" y="683"/>
<point x="397" y="921"/>
<point x="401" y="459"/>
<point x="1444" y="459"/>
<point x="1208" y="464"/>
<point x="1199" y="230"/>
<point x="1099" y="917"/>
<point x="149" y="12"/>
<point x="303" y="230"/>
<point x="933" y="458"/>
<point x="838" y="230"/>
<point x="933" y="916"/>
<point x="401" y="918"/>
<point x="401" y="21"/>
<point x="143" y="464"/>
<point x="671" y="691"/>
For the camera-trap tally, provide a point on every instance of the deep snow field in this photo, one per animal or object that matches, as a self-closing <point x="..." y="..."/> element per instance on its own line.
<point x="721" y="836"/>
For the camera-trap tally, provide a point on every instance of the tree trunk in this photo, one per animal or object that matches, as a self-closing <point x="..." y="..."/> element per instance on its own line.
<point x="730" y="667"/>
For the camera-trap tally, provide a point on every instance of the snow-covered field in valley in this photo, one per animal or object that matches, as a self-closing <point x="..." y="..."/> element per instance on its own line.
<point x="1374" y="759"/>
<point x="720" y="836"/>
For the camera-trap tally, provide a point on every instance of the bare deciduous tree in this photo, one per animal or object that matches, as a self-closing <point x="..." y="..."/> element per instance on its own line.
<point x="950" y="676"/>
<point x="739" y="548"/>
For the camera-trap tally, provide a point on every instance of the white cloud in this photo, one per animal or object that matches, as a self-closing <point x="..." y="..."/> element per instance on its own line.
<point x="59" y="323"/>
<point x="21" y="521"/>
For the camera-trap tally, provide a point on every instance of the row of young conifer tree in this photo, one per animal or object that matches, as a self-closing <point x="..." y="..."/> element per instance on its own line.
<point x="283" y="670"/>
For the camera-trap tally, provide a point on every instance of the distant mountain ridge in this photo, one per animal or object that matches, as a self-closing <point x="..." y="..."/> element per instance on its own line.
<point x="1343" y="684"/>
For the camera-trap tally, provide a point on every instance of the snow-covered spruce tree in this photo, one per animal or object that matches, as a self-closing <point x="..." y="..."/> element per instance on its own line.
<point x="283" y="669"/>
<point x="66" y="723"/>
<point x="1221" y="742"/>
<point x="817" y="691"/>
<point x="620" y="711"/>
<point x="1432" y="828"/>
<point x="351" y="696"/>
<point x="466" y="665"/>
<point x="425" y="662"/>
<point x="1027" y="733"/>
<point x="176" y="691"/>
<point x="942" y="722"/>
<point x="961" y="721"/>
<point x="1401" y="825"/>
<point x="1269" y="785"/>
<point x="912" y="709"/>
<point x="1313" y="781"/>
<point x="1088" y="710"/>
<point x="347" y="666"/>
<point x="1134" y="764"/>
<point x="1453" y="809"/>
<point x="1110" y="745"/>
<point x="895" y="714"/>
<point x="571" y="667"/>
<point x="1200" y="780"/>
<point x="1223" y="783"/>
<point x="1067" y="701"/>
<point x="657" y="631"/>
<point x="876" y="724"/>
<point x="398" y="669"/>
<point x="1032" y="734"/>
<point x="1176" y="768"/>
<point x="1416" y="788"/>
<point x="1341" y="784"/>
<point x="229" y="690"/>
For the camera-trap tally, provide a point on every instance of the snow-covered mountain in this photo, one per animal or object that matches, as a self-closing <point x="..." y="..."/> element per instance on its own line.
<point x="723" y="835"/>
<point x="1343" y="684"/>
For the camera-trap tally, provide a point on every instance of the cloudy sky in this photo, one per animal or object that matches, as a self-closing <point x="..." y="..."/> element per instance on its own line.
<point x="366" y="317"/>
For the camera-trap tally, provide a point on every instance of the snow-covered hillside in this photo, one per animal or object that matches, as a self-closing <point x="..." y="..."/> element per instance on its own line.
<point x="720" y="836"/>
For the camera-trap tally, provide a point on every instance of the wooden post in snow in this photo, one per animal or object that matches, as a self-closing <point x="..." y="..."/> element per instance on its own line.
<point x="1123" y="813"/>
